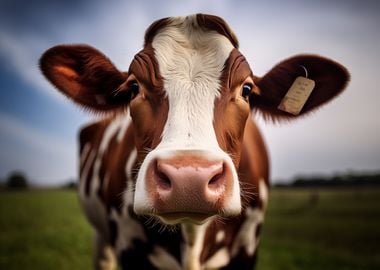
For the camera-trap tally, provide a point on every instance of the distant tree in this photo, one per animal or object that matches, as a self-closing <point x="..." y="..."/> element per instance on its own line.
<point x="17" y="180"/>
<point x="72" y="184"/>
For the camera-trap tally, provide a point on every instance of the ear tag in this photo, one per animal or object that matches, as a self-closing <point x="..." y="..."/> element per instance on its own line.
<point x="297" y="95"/>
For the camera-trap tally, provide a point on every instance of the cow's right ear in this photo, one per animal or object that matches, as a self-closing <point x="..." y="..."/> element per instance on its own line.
<point x="86" y="76"/>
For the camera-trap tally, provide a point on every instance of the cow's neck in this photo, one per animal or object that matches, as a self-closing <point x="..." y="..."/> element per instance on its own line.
<point x="194" y="239"/>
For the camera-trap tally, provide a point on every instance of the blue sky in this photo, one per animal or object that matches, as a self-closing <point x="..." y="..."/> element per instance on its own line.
<point x="38" y="127"/>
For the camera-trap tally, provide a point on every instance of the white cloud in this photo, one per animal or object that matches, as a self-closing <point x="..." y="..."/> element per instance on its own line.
<point x="45" y="158"/>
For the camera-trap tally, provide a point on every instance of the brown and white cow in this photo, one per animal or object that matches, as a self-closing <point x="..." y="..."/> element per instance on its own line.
<point x="177" y="175"/>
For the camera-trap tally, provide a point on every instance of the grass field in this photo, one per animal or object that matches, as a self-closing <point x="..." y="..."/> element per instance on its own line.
<point x="43" y="230"/>
<point x="338" y="229"/>
<point x="341" y="231"/>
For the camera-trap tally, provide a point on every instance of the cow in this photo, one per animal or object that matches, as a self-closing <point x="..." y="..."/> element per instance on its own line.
<point x="175" y="175"/>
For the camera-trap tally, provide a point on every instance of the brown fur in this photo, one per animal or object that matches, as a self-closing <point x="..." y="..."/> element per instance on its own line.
<point x="215" y="23"/>
<point x="150" y="108"/>
<point x="85" y="75"/>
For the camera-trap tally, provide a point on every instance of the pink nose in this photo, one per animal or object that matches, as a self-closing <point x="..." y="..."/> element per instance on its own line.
<point x="189" y="186"/>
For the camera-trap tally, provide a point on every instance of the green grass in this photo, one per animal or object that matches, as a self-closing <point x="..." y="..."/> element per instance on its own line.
<point x="46" y="230"/>
<point x="43" y="230"/>
<point x="340" y="231"/>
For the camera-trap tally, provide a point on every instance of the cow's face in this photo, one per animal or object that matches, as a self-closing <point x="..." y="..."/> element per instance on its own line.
<point x="190" y="93"/>
<point x="189" y="118"/>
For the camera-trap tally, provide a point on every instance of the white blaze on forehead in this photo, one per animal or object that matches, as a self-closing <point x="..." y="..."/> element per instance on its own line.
<point x="190" y="60"/>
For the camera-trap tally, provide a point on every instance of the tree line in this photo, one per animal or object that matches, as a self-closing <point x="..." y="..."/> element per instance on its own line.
<point x="339" y="180"/>
<point x="19" y="181"/>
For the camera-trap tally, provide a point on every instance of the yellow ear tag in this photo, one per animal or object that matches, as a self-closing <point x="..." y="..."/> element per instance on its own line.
<point x="297" y="95"/>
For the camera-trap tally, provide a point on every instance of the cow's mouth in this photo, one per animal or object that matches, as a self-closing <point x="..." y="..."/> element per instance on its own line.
<point x="180" y="217"/>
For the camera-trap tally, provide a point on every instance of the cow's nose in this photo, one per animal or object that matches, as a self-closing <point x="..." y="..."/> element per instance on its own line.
<point x="204" y="179"/>
<point x="189" y="187"/>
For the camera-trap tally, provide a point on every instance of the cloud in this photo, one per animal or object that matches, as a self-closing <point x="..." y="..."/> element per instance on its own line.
<point x="45" y="158"/>
<point x="21" y="55"/>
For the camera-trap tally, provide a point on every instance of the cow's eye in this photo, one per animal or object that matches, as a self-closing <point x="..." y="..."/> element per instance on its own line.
<point x="246" y="91"/>
<point x="133" y="88"/>
<point x="126" y="92"/>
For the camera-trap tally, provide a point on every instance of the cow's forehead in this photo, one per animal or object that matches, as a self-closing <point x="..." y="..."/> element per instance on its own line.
<point x="187" y="53"/>
<point x="192" y="22"/>
<point x="191" y="59"/>
<point x="190" y="55"/>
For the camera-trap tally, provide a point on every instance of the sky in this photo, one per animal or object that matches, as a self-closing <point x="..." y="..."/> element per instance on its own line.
<point x="38" y="127"/>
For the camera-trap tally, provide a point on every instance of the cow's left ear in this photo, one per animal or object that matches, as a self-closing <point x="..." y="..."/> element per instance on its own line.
<point x="86" y="76"/>
<point x="330" y="79"/>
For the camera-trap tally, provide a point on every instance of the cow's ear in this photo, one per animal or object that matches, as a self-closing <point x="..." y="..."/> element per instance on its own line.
<point x="330" y="79"/>
<point x="86" y="76"/>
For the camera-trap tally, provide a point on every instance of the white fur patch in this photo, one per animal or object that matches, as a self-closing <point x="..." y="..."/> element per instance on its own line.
<point x="84" y="154"/>
<point x="84" y="173"/>
<point x="128" y="196"/>
<point x="105" y="256"/>
<point x="161" y="259"/>
<point x="194" y="240"/>
<point x="194" y="236"/>
<point x="263" y="192"/>
<point x="125" y="121"/>
<point x="246" y="237"/>
<point x="219" y="259"/>
<point x="191" y="60"/>
<point x="93" y="206"/>
<point x="219" y="237"/>
<point x="128" y="229"/>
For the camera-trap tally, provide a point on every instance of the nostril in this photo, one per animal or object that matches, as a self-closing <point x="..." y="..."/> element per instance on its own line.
<point x="217" y="179"/>
<point x="163" y="180"/>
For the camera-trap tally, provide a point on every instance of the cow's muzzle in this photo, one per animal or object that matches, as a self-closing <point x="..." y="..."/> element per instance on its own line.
<point x="188" y="186"/>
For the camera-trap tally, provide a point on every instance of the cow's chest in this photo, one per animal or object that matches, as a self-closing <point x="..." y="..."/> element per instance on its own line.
<point x="143" y="243"/>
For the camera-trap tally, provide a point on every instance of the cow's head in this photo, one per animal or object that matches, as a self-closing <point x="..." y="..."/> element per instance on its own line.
<point x="190" y="92"/>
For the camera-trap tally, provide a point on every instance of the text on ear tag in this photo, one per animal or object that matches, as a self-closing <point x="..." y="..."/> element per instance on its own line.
<point x="297" y="95"/>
